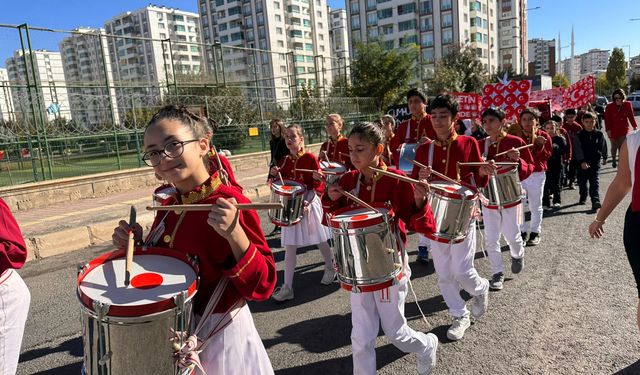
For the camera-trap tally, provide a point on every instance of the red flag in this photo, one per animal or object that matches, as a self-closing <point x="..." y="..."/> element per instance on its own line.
<point x="469" y="105"/>
<point x="511" y="96"/>
<point x="580" y="93"/>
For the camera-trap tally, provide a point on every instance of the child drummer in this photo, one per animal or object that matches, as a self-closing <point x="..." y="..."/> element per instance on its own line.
<point x="454" y="262"/>
<point x="504" y="220"/>
<point x="309" y="231"/>
<point x="336" y="148"/>
<point x="386" y="306"/>
<point x="229" y="244"/>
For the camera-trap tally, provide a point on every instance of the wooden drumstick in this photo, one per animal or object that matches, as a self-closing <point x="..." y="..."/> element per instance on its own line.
<point x="326" y="156"/>
<point x="280" y="175"/>
<point x="479" y="164"/>
<point x="513" y="149"/>
<point x="312" y="171"/>
<point x="359" y="201"/>
<point x="207" y="207"/>
<point x="399" y="177"/>
<point x="436" y="173"/>
<point x="130" y="246"/>
<point x="222" y="178"/>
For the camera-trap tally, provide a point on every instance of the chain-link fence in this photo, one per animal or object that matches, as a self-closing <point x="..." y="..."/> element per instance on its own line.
<point x="83" y="108"/>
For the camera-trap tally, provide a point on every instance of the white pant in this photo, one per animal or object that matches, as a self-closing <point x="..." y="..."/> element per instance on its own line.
<point x="384" y="306"/>
<point x="423" y="240"/>
<point x="502" y="222"/>
<point x="534" y="185"/>
<point x="237" y="349"/>
<point x="14" y="308"/>
<point x="454" y="267"/>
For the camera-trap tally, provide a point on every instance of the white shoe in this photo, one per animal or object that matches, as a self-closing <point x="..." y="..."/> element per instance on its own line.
<point x="284" y="293"/>
<point x="329" y="276"/>
<point x="479" y="305"/>
<point x="427" y="361"/>
<point x="458" y="327"/>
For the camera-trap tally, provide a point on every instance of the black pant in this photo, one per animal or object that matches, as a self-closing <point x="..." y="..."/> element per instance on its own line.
<point x="572" y="169"/>
<point x="552" y="185"/>
<point x="631" y="240"/>
<point x="591" y="176"/>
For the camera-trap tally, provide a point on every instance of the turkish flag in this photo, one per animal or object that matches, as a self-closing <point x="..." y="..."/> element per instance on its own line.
<point x="511" y="96"/>
<point x="580" y="93"/>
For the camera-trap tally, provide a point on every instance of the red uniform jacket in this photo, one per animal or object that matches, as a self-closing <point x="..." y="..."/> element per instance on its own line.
<point x="386" y="189"/>
<point x="410" y="131"/>
<point x="567" y="154"/>
<point x="540" y="153"/>
<point x="525" y="162"/>
<point x="460" y="148"/>
<point x="304" y="160"/>
<point x="617" y="120"/>
<point x="336" y="151"/>
<point x="213" y="167"/>
<point x="253" y="277"/>
<point x="13" y="250"/>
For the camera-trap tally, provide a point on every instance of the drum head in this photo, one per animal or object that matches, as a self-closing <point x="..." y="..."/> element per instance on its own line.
<point x="155" y="279"/>
<point x="332" y="167"/>
<point x="359" y="217"/>
<point x="287" y="187"/>
<point x="448" y="189"/>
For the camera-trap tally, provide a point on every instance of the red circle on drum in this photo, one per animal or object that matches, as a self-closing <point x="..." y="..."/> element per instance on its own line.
<point x="286" y="187"/>
<point x="450" y="189"/>
<point x="147" y="280"/>
<point x="359" y="217"/>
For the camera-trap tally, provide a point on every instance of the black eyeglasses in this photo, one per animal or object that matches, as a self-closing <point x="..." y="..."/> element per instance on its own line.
<point x="617" y="97"/>
<point x="171" y="150"/>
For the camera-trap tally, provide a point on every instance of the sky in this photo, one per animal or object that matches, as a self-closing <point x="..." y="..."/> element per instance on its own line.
<point x="596" y="23"/>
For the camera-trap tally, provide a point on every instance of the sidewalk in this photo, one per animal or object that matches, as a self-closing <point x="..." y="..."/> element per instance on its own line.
<point x="73" y="226"/>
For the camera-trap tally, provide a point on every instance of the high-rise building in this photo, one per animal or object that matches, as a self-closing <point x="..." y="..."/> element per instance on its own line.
<point x="594" y="60"/>
<point x="434" y="25"/>
<point x="339" y="37"/>
<point x="6" y="102"/>
<point x="46" y="73"/>
<point x="542" y="57"/>
<point x="570" y="67"/>
<point x="84" y="56"/>
<point x="175" y="48"/>
<point x="512" y="25"/>
<point x="253" y="40"/>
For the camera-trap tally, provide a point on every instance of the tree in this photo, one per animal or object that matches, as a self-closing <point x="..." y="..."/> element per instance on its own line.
<point x="635" y="82"/>
<point x="560" y="80"/>
<point x="383" y="74"/>
<point x="616" y="70"/>
<point x="602" y="86"/>
<point x="459" y="70"/>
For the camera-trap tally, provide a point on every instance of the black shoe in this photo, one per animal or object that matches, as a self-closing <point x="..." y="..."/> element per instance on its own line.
<point x="497" y="281"/>
<point x="524" y="237"/>
<point x="582" y="202"/>
<point x="534" y="239"/>
<point x="596" y="206"/>
<point x="275" y="231"/>
<point x="517" y="265"/>
<point x="614" y="164"/>
<point x="571" y="186"/>
<point x="423" y="255"/>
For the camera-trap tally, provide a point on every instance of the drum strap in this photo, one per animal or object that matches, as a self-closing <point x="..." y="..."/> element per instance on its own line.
<point x="487" y="143"/>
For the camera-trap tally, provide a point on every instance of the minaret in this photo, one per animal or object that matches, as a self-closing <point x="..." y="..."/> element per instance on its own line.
<point x="559" y="68"/>
<point x="572" y="56"/>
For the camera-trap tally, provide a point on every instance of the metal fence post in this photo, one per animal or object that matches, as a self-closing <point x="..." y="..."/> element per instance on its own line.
<point x="108" y="87"/>
<point x="135" y="133"/>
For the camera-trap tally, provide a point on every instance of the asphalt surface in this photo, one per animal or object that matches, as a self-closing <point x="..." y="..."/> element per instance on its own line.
<point x="571" y="311"/>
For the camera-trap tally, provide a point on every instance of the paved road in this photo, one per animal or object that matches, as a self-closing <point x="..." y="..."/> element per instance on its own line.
<point x="571" y="311"/>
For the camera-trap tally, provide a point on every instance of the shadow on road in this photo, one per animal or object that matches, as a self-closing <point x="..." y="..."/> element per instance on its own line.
<point x="73" y="368"/>
<point x="316" y="335"/>
<point x="630" y="370"/>
<point x="72" y="346"/>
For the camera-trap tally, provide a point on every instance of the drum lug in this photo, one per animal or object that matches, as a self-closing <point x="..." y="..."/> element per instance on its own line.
<point x="104" y="359"/>
<point x="80" y="268"/>
<point x="355" y="289"/>
<point x="101" y="309"/>
<point x="180" y="300"/>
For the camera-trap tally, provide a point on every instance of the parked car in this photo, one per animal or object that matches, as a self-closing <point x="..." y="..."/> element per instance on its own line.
<point x="635" y="101"/>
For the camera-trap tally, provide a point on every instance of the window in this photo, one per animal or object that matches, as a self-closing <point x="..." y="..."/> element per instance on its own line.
<point x="447" y="20"/>
<point x="298" y="58"/>
<point x="426" y="40"/>
<point x="162" y="36"/>
<point x="293" y="9"/>
<point x="445" y="5"/>
<point x="372" y="19"/>
<point x="388" y="45"/>
<point x="294" y="21"/>
<point x="161" y="26"/>
<point x="385" y="13"/>
<point x="306" y="23"/>
<point x="308" y="47"/>
<point x="235" y="10"/>
<point x="281" y="44"/>
<point x="195" y="49"/>
<point x="355" y="22"/>
<point x="426" y="7"/>
<point x="276" y="5"/>
<point x="371" y="4"/>
<point x="426" y="24"/>
<point x="386" y="29"/>
<point x="219" y="3"/>
<point x="447" y="36"/>
<point x="178" y="28"/>
<point x="406" y="8"/>
<point x="309" y="59"/>
<point x="300" y="69"/>
<point x="178" y="18"/>
<point x="355" y="7"/>
<point x="474" y="5"/>
<point x="295" y="33"/>
<point x="408" y="40"/>
<point x="372" y="32"/>
<point x="222" y="26"/>
<point x="224" y="39"/>
<point x="260" y="19"/>
<point x="428" y="56"/>
<point x="355" y="36"/>
<point x="319" y="13"/>
<point x="407" y="25"/>
<point x="484" y="24"/>
<point x="278" y="18"/>
<point x="301" y="82"/>
<point x="236" y="36"/>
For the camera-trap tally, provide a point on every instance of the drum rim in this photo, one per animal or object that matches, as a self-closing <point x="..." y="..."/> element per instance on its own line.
<point x="285" y="193"/>
<point x="506" y="169"/>
<point x="360" y="223"/>
<point x="342" y="166"/>
<point x="456" y="195"/>
<point x="138" y="310"/>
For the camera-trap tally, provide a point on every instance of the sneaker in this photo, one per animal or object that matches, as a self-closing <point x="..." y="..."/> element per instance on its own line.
<point x="497" y="281"/>
<point x="596" y="206"/>
<point x="571" y="186"/>
<point x="458" y="327"/>
<point x="524" y="236"/>
<point x="329" y="276"/>
<point x="534" y="239"/>
<point x="479" y="305"/>
<point x="427" y="361"/>
<point x="546" y="208"/>
<point x="423" y="254"/>
<point x="517" y="265"/>
<point x="556" y="205"/>
<point x="283" y="293"/>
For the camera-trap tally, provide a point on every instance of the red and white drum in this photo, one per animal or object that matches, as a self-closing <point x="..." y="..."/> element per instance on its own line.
<point x="291" y="194"/>
<point x="453" y="206"/>
<point x="366" y="248"/>
<point x="332" y="171"/>
<point x="504" y="189"/>
<point x="131" y="330"/>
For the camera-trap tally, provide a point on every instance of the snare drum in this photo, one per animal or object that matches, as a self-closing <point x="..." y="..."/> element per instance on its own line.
<point x="504" y="189"/>
<point x="453" y="206"/>
<point x="366" y="248"/>
<point x="291" y="195"/>
<point x="129" y="330"/>
<point x="334" y="171"/>
<point x="407" y="153"/>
